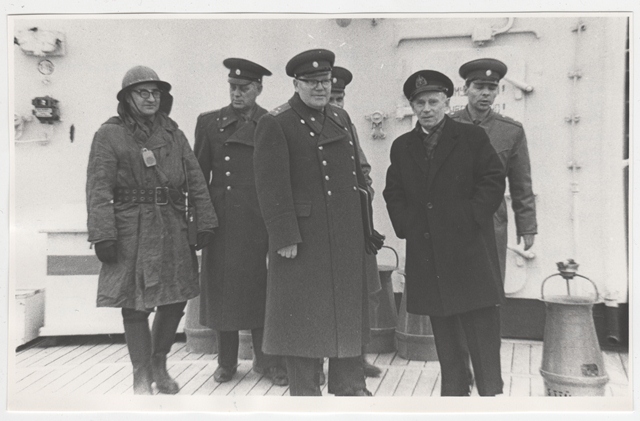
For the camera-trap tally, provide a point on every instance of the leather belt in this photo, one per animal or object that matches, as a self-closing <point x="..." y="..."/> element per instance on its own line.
<point x="148" y="195"/>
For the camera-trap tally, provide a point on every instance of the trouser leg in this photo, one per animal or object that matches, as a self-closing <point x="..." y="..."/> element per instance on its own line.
<point x="346" y="376"/>
<point x="228" y="343"/>
<point x="165" y="326"/>
<point x="482" y="331"/>
<point x="138" y="337"/>
<point x="452" y="355"/>
<point x="302" y="376"/>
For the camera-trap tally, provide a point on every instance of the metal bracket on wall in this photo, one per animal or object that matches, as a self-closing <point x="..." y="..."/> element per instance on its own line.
<point x="480" y="34"/>
<point x="377" y="118"/>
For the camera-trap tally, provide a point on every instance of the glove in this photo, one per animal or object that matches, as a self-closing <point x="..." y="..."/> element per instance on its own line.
<point x="374" y="242"/>
<point x="204" y="238"/>
<point x="106" y="251"/>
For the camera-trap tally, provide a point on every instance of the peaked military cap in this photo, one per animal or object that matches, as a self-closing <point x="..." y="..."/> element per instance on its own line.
<point x="309" y="62"/>
<point x="340" y="78"/>
<point x="427" y="81"/>
<point x="485" y="69"/>
<point x="243" y="72"/>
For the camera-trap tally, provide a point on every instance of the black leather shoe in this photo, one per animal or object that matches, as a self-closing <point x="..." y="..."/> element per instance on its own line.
<point x="224" y="374"/>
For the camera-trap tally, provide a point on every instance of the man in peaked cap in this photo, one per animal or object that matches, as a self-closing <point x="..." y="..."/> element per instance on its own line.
<point x="307" y="177"/>
<point x="482" y="77"/>
<point x="234" y="272"/>
<point x="443" y="186"/>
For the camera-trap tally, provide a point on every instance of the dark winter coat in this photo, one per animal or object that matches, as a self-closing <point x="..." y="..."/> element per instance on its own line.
<point x="155" y="265"/>
<point x="234" y="266"/>
<point x="444" y="209"/>
<point x="307" y="179"/>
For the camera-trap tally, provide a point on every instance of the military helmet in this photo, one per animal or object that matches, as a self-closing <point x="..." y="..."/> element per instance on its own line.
<point x="143" y="74"/>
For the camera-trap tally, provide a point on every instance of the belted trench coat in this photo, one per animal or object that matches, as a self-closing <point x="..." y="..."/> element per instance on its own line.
<point x="155" y="265"/>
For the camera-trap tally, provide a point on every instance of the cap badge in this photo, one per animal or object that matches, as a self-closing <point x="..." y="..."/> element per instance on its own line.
<point x="238" y="71"/>
<point x="489" y="72"/>
<point x="314" y="64"/>
<point x="335" y="80"/>
<point x="420" y="81"/>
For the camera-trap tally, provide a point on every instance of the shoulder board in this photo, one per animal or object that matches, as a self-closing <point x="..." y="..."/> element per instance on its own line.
<point x="280" y="109"/>
<point x="509" y="120"/>
<point x="206" y="113"/>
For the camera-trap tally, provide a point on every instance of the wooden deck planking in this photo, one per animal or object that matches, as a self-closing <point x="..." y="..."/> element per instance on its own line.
<point x="520" y="386"/>
<point x="615" y="369"/>
<point x="384" y="359"/>
<point x="119" y="376"/>
<point x="77" y="383"/>
<point x="33" y="379"/>
<point x="521" y="358"/>
<point x="88" y="365"/>
<point x="390" y="382"/>
<point x="536" y="359"/>
<point x="624" y="358"/>
<point x="426" y="383"/>
<point x="196" y="382"/>
<point x="506" y="356"/>
<point x="248" y="382"/>
<point x="407" y="383"/>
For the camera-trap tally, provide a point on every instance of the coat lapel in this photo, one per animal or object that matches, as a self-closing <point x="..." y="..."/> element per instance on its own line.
<point x="244" y="135"/>
<point x="447" y="142"/>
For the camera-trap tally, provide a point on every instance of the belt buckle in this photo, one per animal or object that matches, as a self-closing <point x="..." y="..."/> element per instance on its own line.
<point x="166" y="195"/>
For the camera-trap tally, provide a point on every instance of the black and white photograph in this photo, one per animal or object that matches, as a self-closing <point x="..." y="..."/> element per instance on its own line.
<point x="217" y="210"/>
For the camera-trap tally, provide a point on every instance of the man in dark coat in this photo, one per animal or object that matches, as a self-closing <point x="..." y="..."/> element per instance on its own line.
<point x="234" y="267"/>
<point x="482" y="77"/>
<point x="443" y="186"/>
<point x="307" y="178"/>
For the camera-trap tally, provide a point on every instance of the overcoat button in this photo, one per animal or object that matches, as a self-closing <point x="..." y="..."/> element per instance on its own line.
<point x="427" y="235"/>
<point x="222" y="130"/>
<point x="355" y="188"/>
<point x="227" y="174"/>
<point x="313" y="119"/>
<point x="326" y="177"/>
<point x="352" y="158"/>
<point x="354" y="173"/>
<point x="312" y="134"/>
<point x="302" y="121"/>
<point x="227" y="158"/>
<point x="329" y="192"/>
<point x="320" y="147"/>
<point x="429" y="205"/>
<point x="351" y="143"/>
<point x="228" y="187"/>
<point x="324" y="163"/>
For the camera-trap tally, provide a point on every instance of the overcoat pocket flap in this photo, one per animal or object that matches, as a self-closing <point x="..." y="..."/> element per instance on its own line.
<point x="302" y="208"/>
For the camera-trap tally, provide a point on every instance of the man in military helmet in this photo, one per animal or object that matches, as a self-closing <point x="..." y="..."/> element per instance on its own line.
<point x="307" y="177"/>
<point x="482" y="77"/>
<point x="234" y="269"/>
<point x="443" y="186"/>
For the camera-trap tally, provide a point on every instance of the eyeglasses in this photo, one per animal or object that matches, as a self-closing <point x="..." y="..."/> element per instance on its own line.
<point x="144" y="94"/>
<point x="314" y="83"/>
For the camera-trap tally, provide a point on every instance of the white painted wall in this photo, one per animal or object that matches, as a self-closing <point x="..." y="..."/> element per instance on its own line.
<point x="49" y="179"/>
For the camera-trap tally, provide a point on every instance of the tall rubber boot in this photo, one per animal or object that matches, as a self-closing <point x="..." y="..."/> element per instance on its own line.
<point x="163" y="333"/>
<point x="138" y="339"/>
